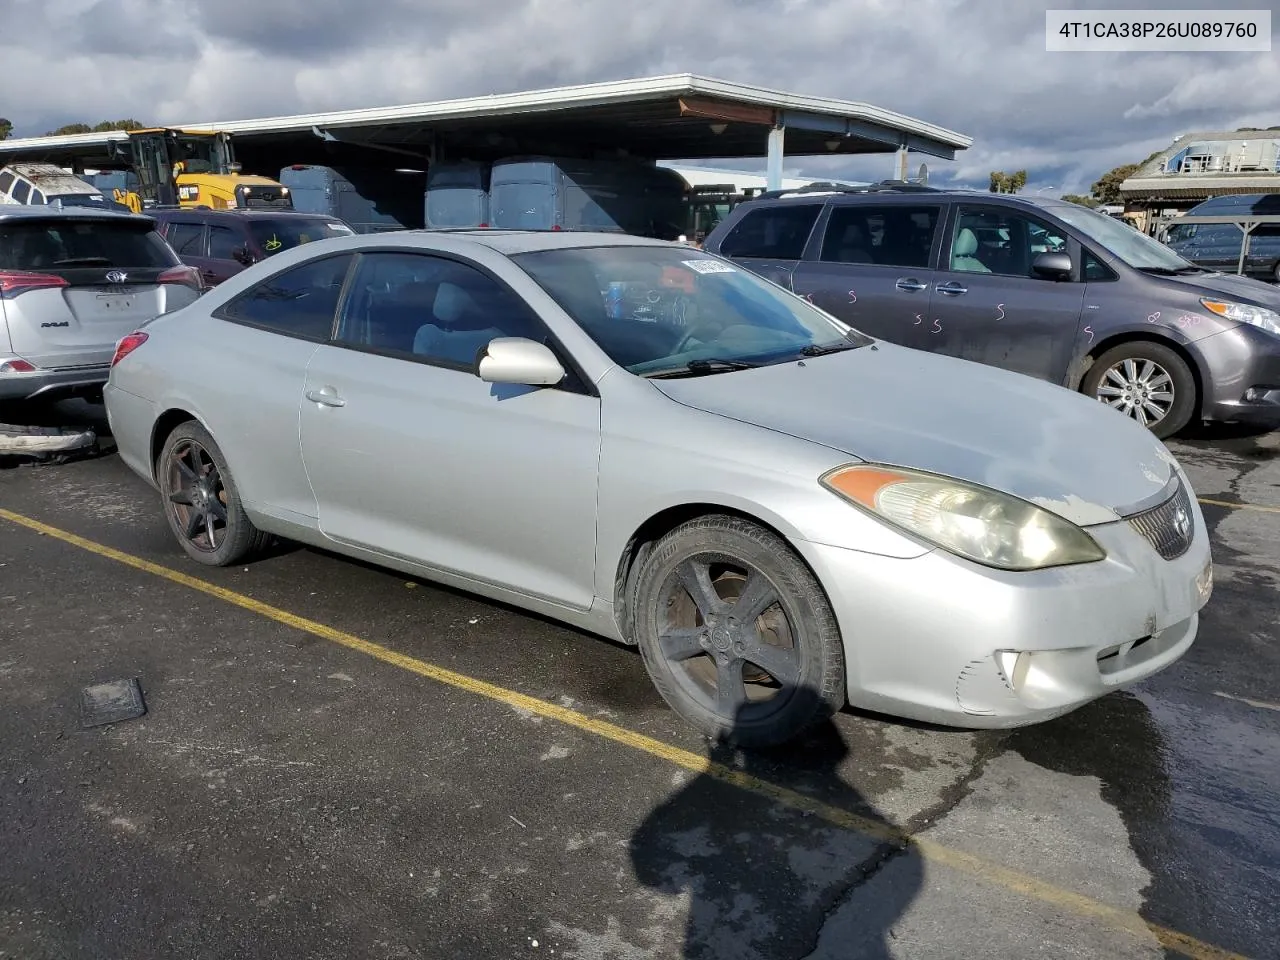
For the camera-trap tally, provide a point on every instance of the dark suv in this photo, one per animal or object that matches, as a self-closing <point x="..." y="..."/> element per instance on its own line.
<point x="221" y="243"/>
<point x="1039" y="286"/>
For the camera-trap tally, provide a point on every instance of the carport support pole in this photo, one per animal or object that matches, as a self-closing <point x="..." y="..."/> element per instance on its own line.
<point x="773" y="166"/>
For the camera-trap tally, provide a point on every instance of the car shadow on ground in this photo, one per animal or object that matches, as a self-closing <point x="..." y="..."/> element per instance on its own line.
<point x="766" y="893"/>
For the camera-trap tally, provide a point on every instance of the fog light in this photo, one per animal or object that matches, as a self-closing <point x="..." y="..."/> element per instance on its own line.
<point x="1014" y="665"/>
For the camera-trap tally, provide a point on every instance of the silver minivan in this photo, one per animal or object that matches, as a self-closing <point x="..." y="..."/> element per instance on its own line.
<point x="74" y="281"/>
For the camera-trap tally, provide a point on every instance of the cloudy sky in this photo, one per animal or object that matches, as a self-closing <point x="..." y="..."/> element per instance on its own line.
<point x="975" y="66"/>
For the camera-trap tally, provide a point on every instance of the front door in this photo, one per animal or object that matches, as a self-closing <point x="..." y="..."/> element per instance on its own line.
<point x="989" y="305"/>
<point x="771" y="240"/>
<point x="413" y="456"/>
<point x="874" y="268"/>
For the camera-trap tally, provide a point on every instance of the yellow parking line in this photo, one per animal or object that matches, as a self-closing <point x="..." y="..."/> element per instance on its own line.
<point x="979" y="867"/>
<point x="1240" y="506"/>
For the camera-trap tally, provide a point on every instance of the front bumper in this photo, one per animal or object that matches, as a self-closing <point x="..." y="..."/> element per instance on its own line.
<point x="1243" y="382"/>
<point x="936" y="638"/>
<point x="41" y="383"/>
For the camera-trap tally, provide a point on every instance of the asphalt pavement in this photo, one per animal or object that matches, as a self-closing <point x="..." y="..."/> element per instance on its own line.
<point x="337" y="761"/>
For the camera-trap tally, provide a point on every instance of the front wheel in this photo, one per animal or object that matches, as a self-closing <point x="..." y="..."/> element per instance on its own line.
<point x="1146" y="381"/>
<point x="737" y="634"/>
<point x="200" y="499"/>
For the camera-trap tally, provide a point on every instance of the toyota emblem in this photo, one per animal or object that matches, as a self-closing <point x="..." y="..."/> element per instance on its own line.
<point x="117" y="276"/>
<point x="1182" y="522"/>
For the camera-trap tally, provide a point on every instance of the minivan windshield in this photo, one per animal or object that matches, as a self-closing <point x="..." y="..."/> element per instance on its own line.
<point x="1132" y="246"/>
<point x="668" y="311"/>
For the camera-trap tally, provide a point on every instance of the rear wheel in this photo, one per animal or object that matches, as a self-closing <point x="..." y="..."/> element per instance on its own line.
<point x="200" y="499"/>
<point x="1146" y="381"/>
<point x="737" y="634"/>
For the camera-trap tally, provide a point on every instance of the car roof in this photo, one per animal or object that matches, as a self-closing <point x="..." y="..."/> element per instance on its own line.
<point x="511" y="242"/>
<point x="20" y="211"/>
<point x="881" y="193"/>
<point x="241" y="214"/>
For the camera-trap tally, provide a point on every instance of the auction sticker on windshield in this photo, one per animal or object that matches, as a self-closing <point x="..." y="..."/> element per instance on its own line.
<point x="709" y="266"/>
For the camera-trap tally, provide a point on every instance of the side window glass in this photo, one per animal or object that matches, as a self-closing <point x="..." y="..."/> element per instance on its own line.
<point x="774" y="233"/>
<point x="6" y="180"/>
<point x="36" y="196"/>
<point x="223" y="241"/>
<point x="432" y="308"/>
<point x="895" y="236"/>
<point x="21" y="191"/>
<point x="299" y="303"/>
<point x="185" y="238"/>
<point x="1095" y="270"/>
<point x="989" y="240"/>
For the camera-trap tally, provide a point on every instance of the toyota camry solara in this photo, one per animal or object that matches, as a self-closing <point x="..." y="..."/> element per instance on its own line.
<point x="644" y="441"/>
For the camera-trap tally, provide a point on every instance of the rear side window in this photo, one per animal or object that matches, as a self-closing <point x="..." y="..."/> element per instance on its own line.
<point x="890" y="235"/>
<point x="185" y="238"/>
<point x="772" y="233"/>
<point x="21" y="191"/>
<point x="223" y="242"/>
<point x="53" y="245"/>
<point x="298" y="303"/>
<point x="6" y="181"/>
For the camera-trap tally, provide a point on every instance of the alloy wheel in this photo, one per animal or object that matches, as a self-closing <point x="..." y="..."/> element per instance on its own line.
<point x="1139" y="388"/>
<point x="197" y="496"/>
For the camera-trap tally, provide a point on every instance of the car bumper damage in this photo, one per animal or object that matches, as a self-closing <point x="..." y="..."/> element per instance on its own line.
<point x="942" y="640"/>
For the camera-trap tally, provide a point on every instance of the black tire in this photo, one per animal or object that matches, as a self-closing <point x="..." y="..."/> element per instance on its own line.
<point x="200" y="499"/>
<point x="808" y="656"/>
<point x="1185" y="399"/>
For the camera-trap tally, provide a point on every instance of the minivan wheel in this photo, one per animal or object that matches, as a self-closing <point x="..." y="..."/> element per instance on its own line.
<point x="737" y="634"/>
<point x="1146" y="381"/>
<point x="200" y="499"/>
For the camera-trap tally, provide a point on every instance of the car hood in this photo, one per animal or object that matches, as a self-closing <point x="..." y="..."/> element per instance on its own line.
<point x="1233" y="286"/>
<point x="892" y="405"/>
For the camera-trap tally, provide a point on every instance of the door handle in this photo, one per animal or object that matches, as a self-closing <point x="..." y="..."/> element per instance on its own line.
<point x="910" y="284"/>
<point x="951" y="289"/>
<point x="328" y="396"/>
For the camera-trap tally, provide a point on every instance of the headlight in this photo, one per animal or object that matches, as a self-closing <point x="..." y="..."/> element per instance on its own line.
<point x="1268" y="320"/>
<point x="975" y="522"/>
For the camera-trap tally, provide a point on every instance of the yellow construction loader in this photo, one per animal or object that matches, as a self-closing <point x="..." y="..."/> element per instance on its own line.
<point x="191" y="168"/>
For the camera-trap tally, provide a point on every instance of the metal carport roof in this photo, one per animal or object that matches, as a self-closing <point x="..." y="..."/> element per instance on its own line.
<point x="682" y="116"/>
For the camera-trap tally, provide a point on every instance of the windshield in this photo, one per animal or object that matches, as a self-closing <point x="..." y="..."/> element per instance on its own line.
<point x="655" y="310"/>
<point x="276" y="235"/>
<point x="1132" y="246"/>
<point x="201" y="153"/>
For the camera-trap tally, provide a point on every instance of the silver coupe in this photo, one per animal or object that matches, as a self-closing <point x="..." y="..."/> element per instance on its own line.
<point x="647" y="442"/>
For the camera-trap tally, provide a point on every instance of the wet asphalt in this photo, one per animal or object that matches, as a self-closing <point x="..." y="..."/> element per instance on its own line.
<point x="286" y="796"/>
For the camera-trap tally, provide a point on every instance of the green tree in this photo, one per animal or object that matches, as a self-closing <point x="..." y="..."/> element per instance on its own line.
<point x="102" y="127"/>
<point x="6" y="128"/>
<point x="69" y="128"/>
<point x="1080" y="199"/>
<point x="1002" y="182"/>
<point x="117" y="125"/>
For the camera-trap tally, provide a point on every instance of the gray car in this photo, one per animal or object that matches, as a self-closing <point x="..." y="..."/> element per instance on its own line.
<point x="646" y="442"/>
<point x="72" y="283"/>
<point x="1042" y="287"/>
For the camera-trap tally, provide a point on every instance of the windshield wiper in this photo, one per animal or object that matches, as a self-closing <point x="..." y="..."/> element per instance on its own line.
<point x="1174" y="271"/>
<point x="83" y="261"/>
<point x="818" y="350"/>
<point x="701" y="366"/>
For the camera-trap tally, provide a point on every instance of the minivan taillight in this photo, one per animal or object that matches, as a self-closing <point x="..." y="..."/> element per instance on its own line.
<point x="127" y="345"/>
<point x="185" y="276"/>
<point x="15" y="282"/>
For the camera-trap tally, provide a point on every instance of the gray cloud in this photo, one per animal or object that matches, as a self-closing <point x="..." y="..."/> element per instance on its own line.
<point x="977" y="66"/>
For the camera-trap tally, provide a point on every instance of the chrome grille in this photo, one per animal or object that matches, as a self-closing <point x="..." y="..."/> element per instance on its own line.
<point x="1170" y="527"/>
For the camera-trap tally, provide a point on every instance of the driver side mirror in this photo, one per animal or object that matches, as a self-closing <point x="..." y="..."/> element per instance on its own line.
<point x="242" y="256"/>
<point x="1052" y="266"/>
<point x="519" y="360"/>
